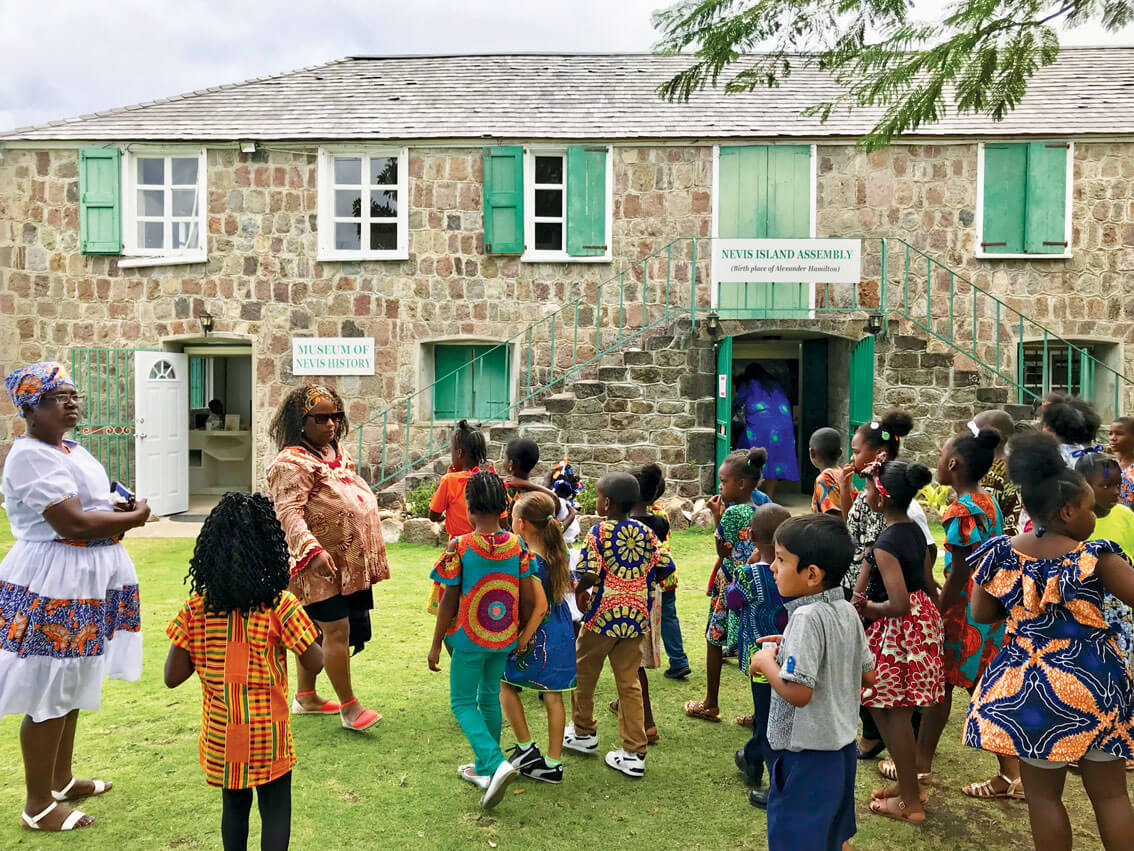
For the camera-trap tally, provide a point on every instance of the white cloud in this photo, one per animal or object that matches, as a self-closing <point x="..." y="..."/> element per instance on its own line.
<point x="60" y="58"/>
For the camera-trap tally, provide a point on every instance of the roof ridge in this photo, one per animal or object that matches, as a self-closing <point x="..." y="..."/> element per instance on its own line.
<point x="170" y="99"/>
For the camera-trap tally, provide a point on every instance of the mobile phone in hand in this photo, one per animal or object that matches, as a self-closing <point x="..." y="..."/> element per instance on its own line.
<point x="124" y="495"/>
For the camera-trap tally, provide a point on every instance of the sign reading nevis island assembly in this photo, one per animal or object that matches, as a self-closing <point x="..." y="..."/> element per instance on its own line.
<point x="812" y="261"/>
<point x="332" y="356"/>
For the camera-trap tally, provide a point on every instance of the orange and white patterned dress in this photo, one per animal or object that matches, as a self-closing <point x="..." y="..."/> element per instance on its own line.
<point x="241" y="660"/>
<point x="325" y="506"/>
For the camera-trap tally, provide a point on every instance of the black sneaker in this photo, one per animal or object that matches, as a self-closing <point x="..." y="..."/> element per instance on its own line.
<point x="677" y="673"/>
<point x="540" y="770"/>
<point x="522" y="758"/>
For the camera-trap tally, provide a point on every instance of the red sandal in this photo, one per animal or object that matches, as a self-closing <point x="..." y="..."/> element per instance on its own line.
<point x="329" y="707"/>
<point x="366" y="719"/>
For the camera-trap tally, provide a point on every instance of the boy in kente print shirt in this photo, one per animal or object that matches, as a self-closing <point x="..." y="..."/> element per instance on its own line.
<point x="617" y="583"/>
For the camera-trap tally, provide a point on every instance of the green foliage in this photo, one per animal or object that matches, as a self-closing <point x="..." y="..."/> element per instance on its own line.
<point x="935" y="497"/>
<point x="588" y="497"/>
<point x="417" y="499"/>
<point x="980" y="55"/>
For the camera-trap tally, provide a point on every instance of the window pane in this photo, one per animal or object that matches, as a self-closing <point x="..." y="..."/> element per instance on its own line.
<point x="348" y="237"/>
<point x="549" y="202"/>
<point x="184" y="234"/>
<point x="384" y="171"/>
<point x="151" y="171"/>
<point x="549" y="169"/>
<point x="150" y="234"/>
<point x="383" y="204"/>
<point x="151" y="202"/>
<point x="184" y="202"/>
<point x="384" y="236"/>
<point x="549" y="236"/>
<point x="184" y="170"/>
<point x="348" y="203"/>
<point x="348" y="170"/>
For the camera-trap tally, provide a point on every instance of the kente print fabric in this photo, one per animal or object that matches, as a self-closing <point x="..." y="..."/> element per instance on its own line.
<point x="969" y="646"/>
<point x="488" y="570"/>
<point x="1059" y="686"/>
<point x="768" y="424"/>
<point x="624" y="555"/>
<point x="28" y="384"/>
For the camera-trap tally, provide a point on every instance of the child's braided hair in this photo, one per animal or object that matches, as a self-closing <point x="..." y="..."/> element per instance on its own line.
<point x="470" y="440"/>
<point x="485" y="494"/>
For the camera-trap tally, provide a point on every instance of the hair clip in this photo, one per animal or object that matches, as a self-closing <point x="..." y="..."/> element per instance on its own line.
<point x="885" y="435"/>
<point x="875" y="425"/>
<point x="974" y="428"/>
<point x="1086" y="450"/>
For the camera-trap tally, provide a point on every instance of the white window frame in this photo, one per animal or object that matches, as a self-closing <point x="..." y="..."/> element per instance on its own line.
<point x="132" y="254"/>
<point x="531" y="255"/>
<point x="325" y="215"/>
<point x="980" y="253"/>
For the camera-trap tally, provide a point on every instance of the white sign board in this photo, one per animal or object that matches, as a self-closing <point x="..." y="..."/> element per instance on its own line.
<point x="811" y="261"/>
<point x="332" y="355"/>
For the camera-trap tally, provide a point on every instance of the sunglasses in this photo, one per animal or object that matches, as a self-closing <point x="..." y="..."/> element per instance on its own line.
<point x="323" y="419"/>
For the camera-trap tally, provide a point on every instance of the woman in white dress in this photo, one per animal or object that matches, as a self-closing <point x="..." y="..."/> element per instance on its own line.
<point x="69" y="611"/>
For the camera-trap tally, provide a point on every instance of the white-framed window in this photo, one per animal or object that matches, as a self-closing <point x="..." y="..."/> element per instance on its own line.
<point x="558" y="229"/>
<point x="164" y="206"/>
<point x="363" y="203"/>
<point x="1024" y="192"/>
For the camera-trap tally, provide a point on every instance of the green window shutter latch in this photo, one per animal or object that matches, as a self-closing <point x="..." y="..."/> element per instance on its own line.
<point x="100" y="198"/>
<point x="504" y="199"/>
<point x="586" y="201"/>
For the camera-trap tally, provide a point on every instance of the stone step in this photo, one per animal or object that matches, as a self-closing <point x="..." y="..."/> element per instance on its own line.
<point x="538" y="414"/>
<point x="992" y="395"/>
<point x="1019" y="412"/>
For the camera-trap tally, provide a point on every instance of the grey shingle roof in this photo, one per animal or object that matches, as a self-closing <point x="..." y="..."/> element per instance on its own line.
<point x="570" y="96"/>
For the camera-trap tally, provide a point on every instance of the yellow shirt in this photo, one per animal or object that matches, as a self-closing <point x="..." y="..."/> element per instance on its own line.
<point x="1117" y="526"/>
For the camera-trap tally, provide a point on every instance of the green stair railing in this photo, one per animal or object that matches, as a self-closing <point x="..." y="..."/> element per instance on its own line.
<point x="899" y="281"/>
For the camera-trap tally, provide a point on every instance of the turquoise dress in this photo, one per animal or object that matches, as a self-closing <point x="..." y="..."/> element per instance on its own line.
<point x="549" y="664"/>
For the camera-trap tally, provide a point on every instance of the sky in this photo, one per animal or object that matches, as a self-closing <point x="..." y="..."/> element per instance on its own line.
<point x="62" y="58"/>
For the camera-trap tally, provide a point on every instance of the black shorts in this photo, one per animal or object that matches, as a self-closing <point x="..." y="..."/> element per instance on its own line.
<point x="354" y="606"/>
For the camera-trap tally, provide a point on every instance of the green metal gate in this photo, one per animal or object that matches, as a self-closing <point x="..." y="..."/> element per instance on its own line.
<point x="105" y="378"/>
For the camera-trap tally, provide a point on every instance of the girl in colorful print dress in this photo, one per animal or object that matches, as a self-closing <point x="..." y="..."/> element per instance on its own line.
<point x="904" y="634"/>
<point x="234" y="631"/>
<point x="69" y="611"/>
<point x="1120" y="436"/>
<point x="1058" y="691"/>
<point x="969" y="644"/>
<point x="544" y="658"/>
<point x="739" y="474"/>
<point x="487" y="595"/>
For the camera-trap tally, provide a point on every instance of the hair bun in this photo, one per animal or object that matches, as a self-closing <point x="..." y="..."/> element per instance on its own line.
<point x="1034" y="458"/>
<point x="988" y="438"/>
<point x="757" y="457"/>
<point x="918" y="476"/>
<point x="898" y="423"/>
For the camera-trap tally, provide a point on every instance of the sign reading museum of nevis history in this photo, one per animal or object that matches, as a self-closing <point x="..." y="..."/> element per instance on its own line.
<point x="815" y="261"/>
<point x="332" y="355"/>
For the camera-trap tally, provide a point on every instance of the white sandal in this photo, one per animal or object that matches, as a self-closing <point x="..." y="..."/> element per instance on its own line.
<point x="468" y="772"/>
<point x="100" y="787"/>
<point x="32" y="822"/>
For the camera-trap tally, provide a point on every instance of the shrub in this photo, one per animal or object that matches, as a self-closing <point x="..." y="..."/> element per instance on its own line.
<point x="588" y="497"/>
<point x="935" y="497"/>
<point x="417" y="499"/>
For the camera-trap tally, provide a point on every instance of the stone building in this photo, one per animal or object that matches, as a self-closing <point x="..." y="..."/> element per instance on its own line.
<point x="527" y="240"/>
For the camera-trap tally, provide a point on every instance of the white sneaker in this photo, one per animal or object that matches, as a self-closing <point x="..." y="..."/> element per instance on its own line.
<point x="630" y="764"/>
<point x="468" y="772"/>
<point x="582" y="744"/>
<point x="505" y="773"/>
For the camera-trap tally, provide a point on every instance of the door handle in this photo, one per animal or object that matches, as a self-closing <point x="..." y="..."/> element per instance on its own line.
<point x="141" y="436"/>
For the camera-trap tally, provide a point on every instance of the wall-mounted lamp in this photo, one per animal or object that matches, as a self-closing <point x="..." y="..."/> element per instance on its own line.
<point x="248" y="147"/>
<point x="713" y="324"/>
<point x="874" y="324"/>
<point x="206" y="320"/>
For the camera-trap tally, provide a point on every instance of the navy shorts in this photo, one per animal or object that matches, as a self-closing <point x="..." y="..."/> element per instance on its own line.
<point x="811" y="799"/>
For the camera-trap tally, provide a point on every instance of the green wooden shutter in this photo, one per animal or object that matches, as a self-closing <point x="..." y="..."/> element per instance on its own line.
<point x="586" y="201"/>
<point x="861" y="397"/>
<point x="723" y="392"/>
<point x="1045" y="229"/>
<point x="452" y="388"/>
<point x="490" y="382"/>
<point x="100" y="194"/>
<point x="504" y="200"/>
<point x="1005" y="197"/>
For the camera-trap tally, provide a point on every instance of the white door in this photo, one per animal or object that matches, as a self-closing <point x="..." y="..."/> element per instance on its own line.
<point x="161" y="430"/>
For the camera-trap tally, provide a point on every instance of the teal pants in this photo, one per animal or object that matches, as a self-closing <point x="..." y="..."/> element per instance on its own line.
<point x="474" y="696"/>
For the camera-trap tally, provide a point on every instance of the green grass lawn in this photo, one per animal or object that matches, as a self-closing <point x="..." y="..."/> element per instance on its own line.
<point x="397" y="786"/>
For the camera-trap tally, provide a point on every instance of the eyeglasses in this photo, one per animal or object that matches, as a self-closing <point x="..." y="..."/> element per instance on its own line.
<point x="62" y="399"/>
<point x="323" y="419"/>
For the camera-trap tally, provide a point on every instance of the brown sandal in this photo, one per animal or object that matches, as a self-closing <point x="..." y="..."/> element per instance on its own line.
<point x="984" y="790"/>
<point x="883" y="807"/>
<point x="890" y="771"/>
<point x="696" y="709"/>
<point x="892" y="792"/>
<point x="744" y="721"/>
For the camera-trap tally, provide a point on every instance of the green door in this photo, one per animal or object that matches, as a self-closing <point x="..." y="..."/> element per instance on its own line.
<point x="724" y="399"/>
<point x="861" y="397"/>
<point x="764" y="192"/>
<point x="812" y="405"/>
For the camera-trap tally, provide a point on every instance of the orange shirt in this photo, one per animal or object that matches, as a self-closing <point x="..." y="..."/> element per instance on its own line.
<point x="449" y="499"/>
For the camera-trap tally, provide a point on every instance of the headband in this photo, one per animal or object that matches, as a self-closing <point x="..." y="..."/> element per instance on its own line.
<point x="314" y="394"/>
<point x="877" y="426"/>
<point x="1086" y="450"/>
<point x="873" y="471"/>
<point x="28" y="384"/>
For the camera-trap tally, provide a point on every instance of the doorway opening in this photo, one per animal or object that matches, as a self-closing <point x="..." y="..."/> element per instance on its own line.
<point x="219" y="454"/>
